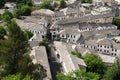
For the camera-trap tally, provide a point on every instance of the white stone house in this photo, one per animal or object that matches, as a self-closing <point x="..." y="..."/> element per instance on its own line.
<point x="103" y="46"/>
<point x="39" y="56"/>
<point x="36" y="28"/>
<point x="70" y="35"/>
<point x="46" y="13"/>
<point x="101" y="10"/>
<point x="68" y="61"/>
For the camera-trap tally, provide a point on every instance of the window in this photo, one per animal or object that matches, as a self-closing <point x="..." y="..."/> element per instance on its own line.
<point x="58" y="56"/>
<point x="104" y="50"/>
<point x="112" y="53"/>
<point x="74" y="36"/>
<point x="91" y="46"/>
<point x="98" y="45"/>
<point x="62" y="35"/>
<point x="115" y="50"/>
<point x="112" y="49"/>
<point x="101" y="46"/>
<point x="98" y="49"/>
<point x="104" y="46"/>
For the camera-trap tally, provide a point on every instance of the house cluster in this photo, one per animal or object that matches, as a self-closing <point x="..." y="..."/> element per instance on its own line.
<point x="85" y="28"/>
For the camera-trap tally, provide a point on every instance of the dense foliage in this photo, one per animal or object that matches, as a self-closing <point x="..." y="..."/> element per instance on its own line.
<point x="62" y="4"/>
<point x="78" y="75"/>
<point x="95" y="64"/>
<point x="17" y="77"/>
<point x="23" y="11"/>
<point x="116" y="21"/>
<point x="7" y="16"/>
<point x="77" y="54"/>
<point x="46" y="4"/>
<point x="23" y="2"/>
<point x="113" y="73"/>
<point x="86" y="1"/>
<point x="14" y="57"/>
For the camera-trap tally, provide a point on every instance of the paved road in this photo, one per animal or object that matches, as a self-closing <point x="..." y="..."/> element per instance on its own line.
<point x="54" y="65"/>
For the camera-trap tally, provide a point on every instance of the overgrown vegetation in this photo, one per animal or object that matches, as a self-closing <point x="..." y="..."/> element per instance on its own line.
<point x="116" y="21"/>
<point x="86" y="1"/>
<point x="46" y="4"/>
<point x="14" y="56"/>
<point x="77" y="54"/>
<point x="78" y="75"/>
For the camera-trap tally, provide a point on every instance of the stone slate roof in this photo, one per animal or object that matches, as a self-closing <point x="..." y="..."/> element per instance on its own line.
<point x="30" y="26"/>
<point x="39" y="52"/>
<point x="70" y="31"/>
<point x="71" y="62"/>
<point x="91" y="42"/>
<point x="105" y="41"/>
<point x="116" y="45"/>
<point x="85" y="18"/>
<point x="107" y="58"/>
<point x="43" y="11"/>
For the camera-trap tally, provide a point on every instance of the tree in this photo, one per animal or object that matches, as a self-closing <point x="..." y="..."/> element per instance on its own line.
<point x="14" y="57"/>
<point x="16" y="77"/>
<point x="77" y="54"/>
<point x="45" y="43"/>
<point x="46" y="4"/>
<point x="113" y="73"/>
<point x="2" y="2"/>
<point x="23" y="11"/>
<point x="78" y="75"/>
<point x="29" y="34"/>
<point x="116" y="21"/>
<point x="7" y="16"/>
<point x="95" y="64"/>
<point x="26" y="10"/>
<point x="7" y="13"/>
<point x="17" y="13"/>
<point x="62" y="4"/>
<point x="2" y="32"/>
<point x="23" y="2"/>
<point x="86" y="1"/>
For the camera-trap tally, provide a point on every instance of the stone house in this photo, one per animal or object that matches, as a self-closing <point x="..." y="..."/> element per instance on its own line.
<point x="68" y="61"/>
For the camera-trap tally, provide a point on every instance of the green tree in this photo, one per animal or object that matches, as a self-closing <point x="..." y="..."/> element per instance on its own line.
<point x="17" y="13"/>
<point x="46" y="4"/>
<point x="29" y="34"/>
<point x="16" y="77"/>
<point x="26" y="10"/>
<point x="7" y="13"/>
<point x="95" y="64"/>
<point x="14" y="57"/>
<point x="78" y="75"/>
<point x="86" y="1"/>
<point x="2" y="32"/>
<point x="62" y="4"/>
<point x="113" y="73"/>
<point x="7" y="16"/>
<point x="116" y="21"/>
<point x="23" y="2"/>
<point x="77" y="54"/>
<point x="45" y="43"/>
<point x="2" y="2"/>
